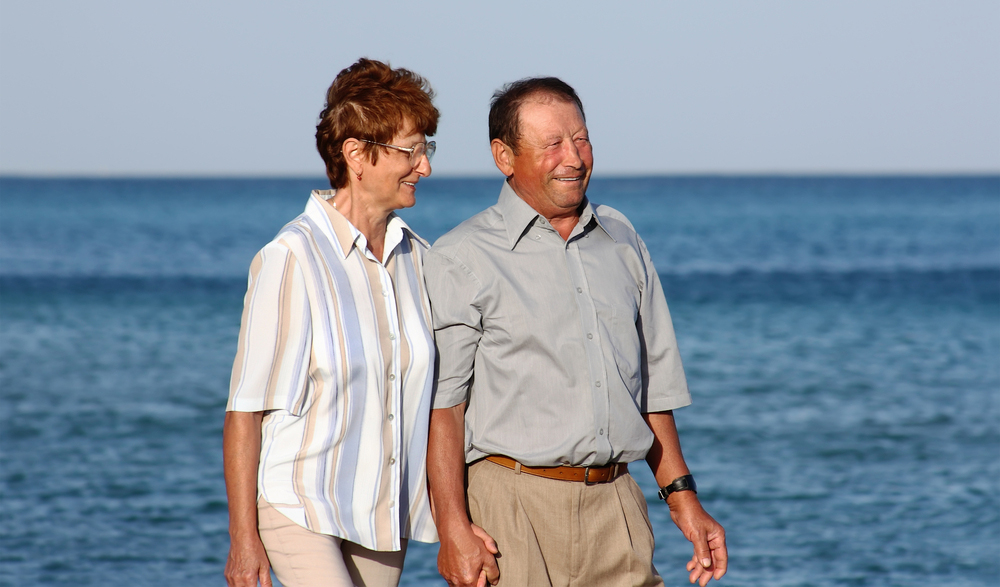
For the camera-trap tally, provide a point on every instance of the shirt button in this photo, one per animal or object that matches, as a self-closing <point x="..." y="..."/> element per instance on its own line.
<point x="579" y="290"/>
<point x="392" y="336"/>
<point x="393" y="461"/>
<point x="598" y="383"/>
<point x="391" y="417"/>
<point x="590" y="335"/>
<point x="385" y="293"/>
<point x="392" y="377"/>
<point x="601" y="432"/>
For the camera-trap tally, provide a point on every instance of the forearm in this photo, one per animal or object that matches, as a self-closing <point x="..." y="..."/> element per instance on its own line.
<point x="241" y="435"/>
<point x="708" y="537"/>
<point x="665" y="458"/>
<point x="446" y="468"/>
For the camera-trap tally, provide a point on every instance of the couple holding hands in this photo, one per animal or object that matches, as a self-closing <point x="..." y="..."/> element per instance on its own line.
<point x="490" y="391"/>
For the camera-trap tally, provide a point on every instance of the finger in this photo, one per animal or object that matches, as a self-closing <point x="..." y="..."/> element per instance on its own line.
<point x="491" y="545"/>
<point x="705" y="578"/>
<point x="720" y="557"/>
<point x="697" y="573"/>
<point x="482" y="579"/>
<point x="492" y="570"/>
<point x="702" y="553"/>
<point x="265" y="577"/>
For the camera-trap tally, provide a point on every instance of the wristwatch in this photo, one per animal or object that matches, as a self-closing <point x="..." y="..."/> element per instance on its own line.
<point x="685" y="483"/>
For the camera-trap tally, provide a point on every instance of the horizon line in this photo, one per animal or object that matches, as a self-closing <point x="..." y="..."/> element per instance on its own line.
<point x="485" y="176"/>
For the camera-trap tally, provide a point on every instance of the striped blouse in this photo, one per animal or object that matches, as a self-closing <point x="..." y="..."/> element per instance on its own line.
<point x="335" y="347"/>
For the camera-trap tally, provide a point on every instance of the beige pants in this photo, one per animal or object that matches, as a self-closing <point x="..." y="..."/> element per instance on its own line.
<point x="302" y="558"/>
<point x="563" y="533"/>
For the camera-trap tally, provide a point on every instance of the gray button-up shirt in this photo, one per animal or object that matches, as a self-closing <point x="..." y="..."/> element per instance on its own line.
<point x="558" y="346"/>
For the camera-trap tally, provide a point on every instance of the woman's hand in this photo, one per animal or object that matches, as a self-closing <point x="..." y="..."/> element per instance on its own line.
<point x="248" y="564"/>
<point x="247" y="561"/>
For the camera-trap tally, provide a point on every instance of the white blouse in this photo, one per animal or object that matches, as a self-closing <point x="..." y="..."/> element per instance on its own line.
<point x="335" y="346"/>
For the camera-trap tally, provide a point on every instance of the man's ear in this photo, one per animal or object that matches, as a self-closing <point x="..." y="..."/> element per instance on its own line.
<point x="503" y="156"/>
<point x="351" y="150"/>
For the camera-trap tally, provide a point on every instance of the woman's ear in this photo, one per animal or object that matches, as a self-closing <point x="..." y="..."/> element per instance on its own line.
<point x="351" y="149"/>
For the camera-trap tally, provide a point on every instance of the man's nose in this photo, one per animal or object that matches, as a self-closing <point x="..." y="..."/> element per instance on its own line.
<point x="571" y="155"/>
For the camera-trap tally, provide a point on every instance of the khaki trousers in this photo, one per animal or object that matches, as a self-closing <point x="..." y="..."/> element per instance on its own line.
<point x="302" y="558"/>
<point x="562" y="533"/>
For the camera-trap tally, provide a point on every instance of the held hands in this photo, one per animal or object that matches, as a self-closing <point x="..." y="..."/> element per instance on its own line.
<point x="466" y="558"/>
<point x="247" y="564"/>
<point x="708" y="537"/>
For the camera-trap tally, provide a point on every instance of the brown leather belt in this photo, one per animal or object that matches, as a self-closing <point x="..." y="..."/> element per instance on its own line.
<point x="589" y="475"/>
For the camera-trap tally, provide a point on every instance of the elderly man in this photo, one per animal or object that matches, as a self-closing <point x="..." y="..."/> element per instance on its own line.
<point x="558" y="368"/>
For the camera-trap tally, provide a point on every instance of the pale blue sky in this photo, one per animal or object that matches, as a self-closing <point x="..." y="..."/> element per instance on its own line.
<point x="791" y="86"/>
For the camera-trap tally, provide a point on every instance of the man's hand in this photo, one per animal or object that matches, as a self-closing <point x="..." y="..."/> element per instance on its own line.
<point x="708" y="537"/>
<point x="247" y="564"/>
<point x="466" y="558"/>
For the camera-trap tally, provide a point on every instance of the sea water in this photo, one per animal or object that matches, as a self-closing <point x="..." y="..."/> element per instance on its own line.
<point x="841" y="338"/>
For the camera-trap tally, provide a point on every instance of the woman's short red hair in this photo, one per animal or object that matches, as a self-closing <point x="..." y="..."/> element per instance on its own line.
<point x="369" y="100"/>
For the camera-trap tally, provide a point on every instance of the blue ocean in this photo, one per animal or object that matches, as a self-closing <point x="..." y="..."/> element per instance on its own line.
<point x="841" y="337"/>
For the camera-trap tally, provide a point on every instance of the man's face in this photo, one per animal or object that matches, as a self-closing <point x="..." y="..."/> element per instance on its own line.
<point x="553" y="166"/>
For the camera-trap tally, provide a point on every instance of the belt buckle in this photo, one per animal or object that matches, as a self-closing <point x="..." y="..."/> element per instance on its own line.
<point x="586" y="477"/>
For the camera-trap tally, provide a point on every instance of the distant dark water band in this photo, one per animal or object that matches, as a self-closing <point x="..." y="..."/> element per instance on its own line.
<point x="975" y="286"/>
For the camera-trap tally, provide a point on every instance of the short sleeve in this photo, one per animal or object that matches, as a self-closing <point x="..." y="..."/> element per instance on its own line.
<point x="272" y="358"/>
<point x="457" y="326"/>
<point x="664" y="385"/>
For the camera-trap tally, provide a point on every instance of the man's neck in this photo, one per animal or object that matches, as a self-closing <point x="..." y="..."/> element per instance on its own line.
<point x="564" y="220"/>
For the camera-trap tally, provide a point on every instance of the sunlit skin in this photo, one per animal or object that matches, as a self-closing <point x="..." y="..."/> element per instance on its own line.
<point x="554" y="159"/>
<point x="387" y="185"/>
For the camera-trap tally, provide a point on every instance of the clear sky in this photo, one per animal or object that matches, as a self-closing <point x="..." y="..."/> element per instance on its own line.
<point x="790" y="86"/>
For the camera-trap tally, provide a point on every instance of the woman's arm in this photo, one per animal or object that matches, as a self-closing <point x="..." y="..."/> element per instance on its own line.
<point x="241" y="455"/>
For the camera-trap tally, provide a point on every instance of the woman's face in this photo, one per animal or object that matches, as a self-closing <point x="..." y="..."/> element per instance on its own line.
<point x="392" y="182"/>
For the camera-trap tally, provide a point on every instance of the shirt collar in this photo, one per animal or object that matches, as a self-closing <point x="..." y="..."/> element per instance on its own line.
<point x="518" y="216"/>
<point x="349" y="237"/>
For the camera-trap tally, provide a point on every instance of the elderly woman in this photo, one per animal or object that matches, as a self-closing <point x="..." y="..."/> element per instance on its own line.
<point x="326" y="428"/>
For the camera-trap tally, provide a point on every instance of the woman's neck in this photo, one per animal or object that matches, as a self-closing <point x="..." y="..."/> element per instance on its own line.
<point x="370" y="221"/>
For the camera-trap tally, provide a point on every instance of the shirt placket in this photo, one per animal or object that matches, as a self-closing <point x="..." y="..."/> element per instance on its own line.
<point x="393" y="390"/>
<point x="593" y="346"/>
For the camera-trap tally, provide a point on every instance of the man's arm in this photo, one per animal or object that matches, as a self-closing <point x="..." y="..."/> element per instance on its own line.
<point x="466" y="554"/>
<point x="708" y="537"/>
<point x="247" y="561"/>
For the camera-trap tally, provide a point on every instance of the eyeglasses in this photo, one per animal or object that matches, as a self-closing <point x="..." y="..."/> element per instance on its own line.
<point x="416" y="151"/>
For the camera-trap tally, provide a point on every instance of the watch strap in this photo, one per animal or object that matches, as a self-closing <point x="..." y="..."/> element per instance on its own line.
<point x="685" y="483"/>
